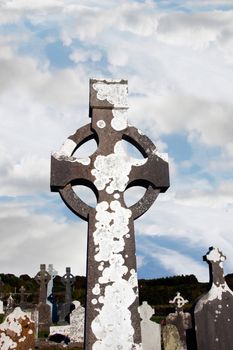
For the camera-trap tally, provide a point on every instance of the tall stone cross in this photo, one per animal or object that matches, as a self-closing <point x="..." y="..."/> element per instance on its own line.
<point x="42" y="278"/>
<point x="68" y="280"/>
<point x="112" y="319"/>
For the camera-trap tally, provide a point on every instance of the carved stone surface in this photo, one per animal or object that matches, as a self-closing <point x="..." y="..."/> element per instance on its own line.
<point x="112" y="318"/>
<point x="17" y="332"/>
<point x="10" y="304"/>
<point x="151" y="331"/>
<point x="182" y="320"/>
<point x="42" y="278"/>
<point x="171" y="338"/>
<point x="44" y="310"/>
<point x="214" y="311"/>
<point x="77" y="323"/>
<point x="68" y="280"/>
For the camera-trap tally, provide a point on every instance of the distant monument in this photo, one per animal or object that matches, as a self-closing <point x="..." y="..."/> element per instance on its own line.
<point x="42" y="278"/>
<point x="151" y="331"/>
<point x="68" y="280"/>
<point x="112" y="318"/>
<point x="50" y="297"/>
<point x="180" y="319"/>
<point x="214" y="311"/>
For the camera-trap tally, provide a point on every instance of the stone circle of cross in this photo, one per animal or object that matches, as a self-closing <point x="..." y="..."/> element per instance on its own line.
<point x="112" y="317"/>
<point x="179" y="301"/>
<point x="42" y="278"/>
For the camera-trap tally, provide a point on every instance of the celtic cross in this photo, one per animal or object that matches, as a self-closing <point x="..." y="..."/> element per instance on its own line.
<point x="68" y="280"/>
<point x="42" y="278"/>
<point x="112" y="319"/>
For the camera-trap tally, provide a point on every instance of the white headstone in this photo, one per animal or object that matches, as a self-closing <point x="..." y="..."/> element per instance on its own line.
<point x="151" y="332"/>
<point x="77" y="323"/>
<point x="53" y="274"/>
<point x="1" y="307"/>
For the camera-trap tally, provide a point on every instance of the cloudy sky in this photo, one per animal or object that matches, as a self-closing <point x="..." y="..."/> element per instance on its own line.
<point x="178" y="59"/>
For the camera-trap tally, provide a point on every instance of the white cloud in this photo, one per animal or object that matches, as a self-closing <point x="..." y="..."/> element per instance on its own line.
<point x="30" y="238"/>
<point x="181" y="264"/>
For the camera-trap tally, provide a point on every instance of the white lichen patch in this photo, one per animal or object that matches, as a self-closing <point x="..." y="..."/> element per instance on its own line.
<point x="96" y="289"/>
<point x="119" y="121"/>
<point x="163" y="156"/>
<point x="116" y="94"/>
<point x="66" y="151"/>
<point x="6" y="343"/>
<point x="113" y="169"/>
<point x="215" y="256"/>
<point x="216" y="292"/>
<point x="119" y="292"/>
<point x="101" y="124"/>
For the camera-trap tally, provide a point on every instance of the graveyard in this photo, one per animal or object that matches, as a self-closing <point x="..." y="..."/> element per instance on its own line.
<point x="110" y="308"/>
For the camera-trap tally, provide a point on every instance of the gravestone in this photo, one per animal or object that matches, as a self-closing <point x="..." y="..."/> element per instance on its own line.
<point x="42" y="278"/>
<point x="17" y="332"/>
<point x="213" y="312"/>
<point x="182" y="320"/>
<point x="112" y="319"/>
<point x="10" y="304"/>
<point x="151" y="331"/>
<point x="50" y="297"/>
<point x="171" y="338"/>
<point x="1" y="307"/>
<point x="22" y="302"/>
<point x="68" y="280"/>
<point x="77" y="323"/>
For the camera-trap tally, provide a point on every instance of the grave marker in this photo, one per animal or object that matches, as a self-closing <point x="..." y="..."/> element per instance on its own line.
<point x="68" y="280"/>
<point x="213" y="312"/>
<point x="151" y="331"/>
<point x="112" y="318"/>
<point x="42" y="278"/>
<point x="50" y="299"/>
<point x="182" y="320"/>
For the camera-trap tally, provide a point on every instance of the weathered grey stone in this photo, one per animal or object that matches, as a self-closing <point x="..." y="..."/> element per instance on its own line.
<point x="151" y="331"/>
<point x="17" y="332"/>
<point x="10" y="304"/>
<point x="77" y="323"/>
<point x="182" y="320"/>
<point x="112" y="317"/>
<point x="44" y="311"/>
<point x="171" y="338"/>
<point x="214" y="311"/>
<point x="68" y="280"/>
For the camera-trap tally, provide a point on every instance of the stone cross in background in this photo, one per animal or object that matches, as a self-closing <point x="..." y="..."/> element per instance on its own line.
<point x="180" y="319"/>
<point x="22" y="291"/>
<point x="42" y="278"/>
<point x="68" y="280"/>
<point x="214" y="311"/>
<point x="112" y="317"/>
<point x="53" y="273"/>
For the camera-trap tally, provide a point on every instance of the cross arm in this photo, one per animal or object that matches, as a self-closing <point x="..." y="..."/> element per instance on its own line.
<point x="65" y="170"/>
<point x="155" y="171"/>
